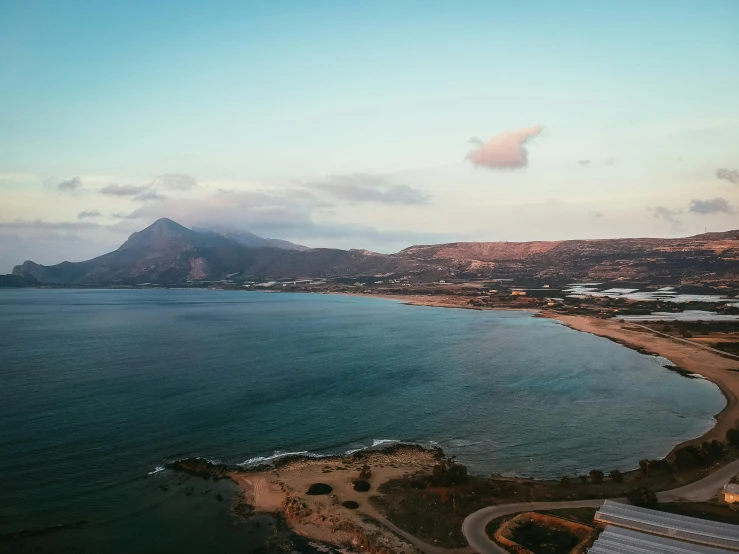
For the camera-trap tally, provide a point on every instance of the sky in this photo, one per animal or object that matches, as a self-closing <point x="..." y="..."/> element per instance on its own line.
<point x="373" y="125"/>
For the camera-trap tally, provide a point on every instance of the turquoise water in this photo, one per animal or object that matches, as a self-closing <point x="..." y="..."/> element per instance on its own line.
<point x="99" y="387"/>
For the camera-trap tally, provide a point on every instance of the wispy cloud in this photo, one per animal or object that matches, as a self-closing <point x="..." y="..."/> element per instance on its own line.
<point x="51" y="225"/>
<point x="362" y="187"/>
<point x="70" y="185"/>
<point x="123" y="190"/>
<point x="583" y="162"/>
<point x="175" y="181"/>
<point x="731" y="175"/>
<point x="504" y="151"/>
<point x="712" y="206"/>
<point x="149" y="195"/>
<point x="660" y="212"/>
<point x="88" y="213"/>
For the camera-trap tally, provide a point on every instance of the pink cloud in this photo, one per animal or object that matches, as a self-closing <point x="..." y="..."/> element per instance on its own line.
<point x="504" y="151"/>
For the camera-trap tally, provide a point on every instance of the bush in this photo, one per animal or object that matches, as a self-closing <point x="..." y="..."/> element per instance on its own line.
<point x="650" y="467"/>
<point x="596" y="476"/>
<point x="448" y="473"/>
<point x="616" y="476"/>
<point x="642" y="496"/>
<point x="319" y="488"/>
<point x="583" y="478"/>
<point x="350" y="504"/>
<point x="732" y="436"/>
<point x="361" y="486"/>
<point x="365" y="473"/>
<point x="565" y="481"/>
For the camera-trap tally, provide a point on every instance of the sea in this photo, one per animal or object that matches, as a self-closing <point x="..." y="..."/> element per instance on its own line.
<point x="100" y="388"/>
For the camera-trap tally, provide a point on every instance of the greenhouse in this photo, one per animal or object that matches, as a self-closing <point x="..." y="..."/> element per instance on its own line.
<point x="710" y="533"/>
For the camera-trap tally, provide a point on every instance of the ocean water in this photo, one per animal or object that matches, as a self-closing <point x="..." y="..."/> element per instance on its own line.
<point x="98" y="388"/>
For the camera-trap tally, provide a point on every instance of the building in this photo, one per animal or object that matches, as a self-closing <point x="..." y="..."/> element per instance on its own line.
<point x="673" y="526"/>
<point x="615" y="540"/>
<point x="731" y="493"/>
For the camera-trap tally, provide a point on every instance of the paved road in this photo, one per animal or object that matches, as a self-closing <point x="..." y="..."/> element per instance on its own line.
<point x="474" y="524"/>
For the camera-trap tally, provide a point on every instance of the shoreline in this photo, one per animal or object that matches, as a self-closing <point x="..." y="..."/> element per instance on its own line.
<point x="722" y="371"/>
<point x="719" y="370"/>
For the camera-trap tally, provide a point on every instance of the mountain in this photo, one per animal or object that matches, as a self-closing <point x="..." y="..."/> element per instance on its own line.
<point x="168" y="253"/>
<point x="250" y="240"/>
<point x="709" y="257"/>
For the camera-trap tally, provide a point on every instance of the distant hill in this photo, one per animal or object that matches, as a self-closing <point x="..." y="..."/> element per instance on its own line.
<point x="17" y="281"/>
<point x="250" y="240"/>
<point x="168" y="253"/>
<point x="707" y="257"/>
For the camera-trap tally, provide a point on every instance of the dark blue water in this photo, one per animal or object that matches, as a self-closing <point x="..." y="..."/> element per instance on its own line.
<point x="98" y="388"/>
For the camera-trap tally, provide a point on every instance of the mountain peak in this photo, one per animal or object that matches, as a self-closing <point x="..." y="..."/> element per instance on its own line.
<point x="162" y="231"/>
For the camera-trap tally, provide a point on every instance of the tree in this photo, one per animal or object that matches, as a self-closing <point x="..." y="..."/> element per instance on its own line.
<point x="642" y="496"/>
<point x="365" y="473"/>
<point x="732" y="436"/>
<point x="583" y="478"/>
<point x="617" y="476"/>
<point x="596" y="476"/>
<point x="684" y="458"/>
<point x="448" y="473"/>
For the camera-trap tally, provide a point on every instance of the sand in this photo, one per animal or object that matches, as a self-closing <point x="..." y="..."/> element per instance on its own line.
<point x="322" y="518"/>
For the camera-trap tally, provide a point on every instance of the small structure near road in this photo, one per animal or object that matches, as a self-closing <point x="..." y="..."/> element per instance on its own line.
<point x="731" y="493"/>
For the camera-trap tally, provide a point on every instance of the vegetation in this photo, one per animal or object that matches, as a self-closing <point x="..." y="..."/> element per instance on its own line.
<point x="616" y="476"/>
<point x="319" y="488"/>
<point x="448" y="473"/>
<point x="596" y="476"/>
<point x="365" y="473"/>
<point x="361" y="486"/>
<point x="543" y="539"/>
<point x="350" y="504"/>
<point x="642" y="496"/>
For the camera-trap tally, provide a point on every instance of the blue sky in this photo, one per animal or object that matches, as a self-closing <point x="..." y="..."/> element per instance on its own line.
<point x="349" y="124"/>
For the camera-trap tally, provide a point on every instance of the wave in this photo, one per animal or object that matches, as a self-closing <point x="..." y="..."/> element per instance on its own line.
<point x="157" y="469"/>
<point x="376" y="444"/>
<point x="257" y="460"/>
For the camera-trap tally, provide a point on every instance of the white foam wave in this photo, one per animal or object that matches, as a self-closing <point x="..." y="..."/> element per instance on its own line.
<point x="277" y="455"/>
<point x="381" y="442"/>
<point x="156" y="470"/>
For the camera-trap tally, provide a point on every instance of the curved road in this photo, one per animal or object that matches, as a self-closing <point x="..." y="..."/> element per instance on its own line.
<point x="474" y="524"/>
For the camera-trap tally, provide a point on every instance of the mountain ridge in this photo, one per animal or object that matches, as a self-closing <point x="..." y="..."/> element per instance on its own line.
<point x="166" y="253"/>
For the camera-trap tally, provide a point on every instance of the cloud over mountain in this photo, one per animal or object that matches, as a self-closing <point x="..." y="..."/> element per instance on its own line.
<point x="88" y="213"/>
<point x="504" y="151"/>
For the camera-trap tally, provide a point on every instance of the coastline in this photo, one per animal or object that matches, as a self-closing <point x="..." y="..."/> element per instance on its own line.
<point x="720" y="370"/>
